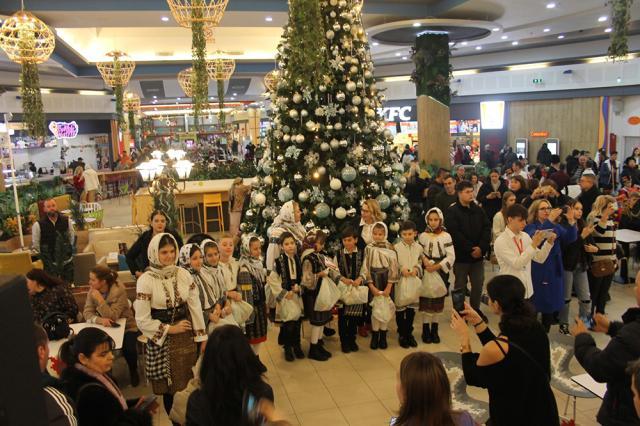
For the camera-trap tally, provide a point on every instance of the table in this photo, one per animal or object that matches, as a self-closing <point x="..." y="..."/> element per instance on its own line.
<point x="627" y="236"/>
<point x="587" y="382"/>
<point x="116" y="333"/>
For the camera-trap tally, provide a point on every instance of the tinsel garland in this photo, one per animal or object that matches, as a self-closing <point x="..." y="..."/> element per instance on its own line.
<point x="621" y="16"/>
<point x="199" y="55"/>
<point x="32" y="108"/>
<point x="221" y="114"/>
<point x="119" y="92"/>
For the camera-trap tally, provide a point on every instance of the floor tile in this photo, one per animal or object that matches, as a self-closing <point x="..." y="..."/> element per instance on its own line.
<point x="352" y="394"/>
<point x="332" y="416"/>
<point x="369" y="413"/>
<point x="311" y="400"/>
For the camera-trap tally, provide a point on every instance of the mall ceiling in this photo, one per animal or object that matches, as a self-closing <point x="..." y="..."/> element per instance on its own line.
<point x="493" y="31"/>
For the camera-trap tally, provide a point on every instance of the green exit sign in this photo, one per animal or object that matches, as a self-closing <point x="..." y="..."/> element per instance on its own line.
<point x="537" y="81"/>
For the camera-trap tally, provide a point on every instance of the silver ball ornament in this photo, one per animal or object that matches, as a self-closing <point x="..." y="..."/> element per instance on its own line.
<point x="299" y="138"/>
<point x="260" y="199"/>
<point x="285" y="194"/>
<point x="322" y="210"/>
<point x="324" y="146"/>
<point x="344" y="143"/>
<point x="297" y="98"/>
<point x="330" y="34"/>
<point x="348" y="174"/>
<point x="340" y="96"/>
<point x="356" y="100"/>
<point x="340" y="213"/>
<point x="335" y="184"/>
<point x="303" y="196"/>
<point x="334" y="143"/>
<point x="322" y="170"/>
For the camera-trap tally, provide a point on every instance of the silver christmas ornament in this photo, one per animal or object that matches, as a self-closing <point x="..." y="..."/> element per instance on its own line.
<point x="340" y="96"/>
<point x="334" y="143"/>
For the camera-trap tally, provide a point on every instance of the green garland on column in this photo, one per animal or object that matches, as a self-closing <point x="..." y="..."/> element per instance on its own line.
<point x="221" y="114"/>
<point x="433" y="70"/>
<point x="119" y="91"/>
<point x="621" y="16"/>
<point x="132" y="126"/>
<point x="199" y="54"/>
<point x="32" y="108"/>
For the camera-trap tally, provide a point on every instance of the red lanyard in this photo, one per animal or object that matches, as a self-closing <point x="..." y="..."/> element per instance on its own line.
<point x="519" y="245"/>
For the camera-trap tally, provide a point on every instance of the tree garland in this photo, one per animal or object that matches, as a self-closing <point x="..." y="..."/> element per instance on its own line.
<point x="32" y="107"/>
<point x="200" y="78"/>
<point x="132" y="125"/>
<point x="221" y="114"/>
<point x="119" y="92"/>
<point x="433" y="70"/>
<point x="621" y="16"/>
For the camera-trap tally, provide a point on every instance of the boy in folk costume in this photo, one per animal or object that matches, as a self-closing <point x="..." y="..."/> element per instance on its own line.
<point x="349" y="260"/>
<point x="252" y="278"/>
<point x="380" y="271"/>
<point x="439" y="256"/>
<point x="410" y="261"/>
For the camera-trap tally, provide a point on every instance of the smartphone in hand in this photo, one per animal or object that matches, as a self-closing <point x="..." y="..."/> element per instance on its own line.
<point x="458" y="297"/>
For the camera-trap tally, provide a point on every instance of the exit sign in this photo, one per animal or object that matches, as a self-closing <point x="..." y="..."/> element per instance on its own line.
<point x="538" y="81"/>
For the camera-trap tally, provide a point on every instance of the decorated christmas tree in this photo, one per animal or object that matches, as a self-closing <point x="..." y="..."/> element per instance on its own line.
<point x="328" y="148"/>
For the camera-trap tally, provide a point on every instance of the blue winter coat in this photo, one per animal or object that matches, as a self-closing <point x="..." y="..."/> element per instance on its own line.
<point x="547" y="277"/>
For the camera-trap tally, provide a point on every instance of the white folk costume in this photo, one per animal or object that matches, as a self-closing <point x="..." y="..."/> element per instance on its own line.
<point x="166" y="295"/>
<point x="437" y="249"/>
<point x="409" y="257"/>
<point x="252" y="279"/>
<point x="380" y="267"/>
<point x="284" y="222"/>
<point x="219" y="283"/>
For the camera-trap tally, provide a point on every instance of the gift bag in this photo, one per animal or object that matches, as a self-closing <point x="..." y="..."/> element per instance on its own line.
<point x="351" y="295"/>
<point x="382" y="308"/>
<point x="407" y="291"/>
<point x="273" y="288"/>
<point x="241" y="311"/>
<point x="228" y="320"/>
<point x="290" y="309"/>
<point x="327" y="296"/>
<point x="433" y="286"/>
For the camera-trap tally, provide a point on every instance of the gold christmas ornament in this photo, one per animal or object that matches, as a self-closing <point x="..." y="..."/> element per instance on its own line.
<point x="26" y="39"/>
<point x="118" y="71"/>
<point x="185" y="80"/>
<point x="131" y="102"/>
<point x="221" y="68"/>
<point x="271" y="80"/>
<point x="186" y="12"/>
<point x="357" y="5"/>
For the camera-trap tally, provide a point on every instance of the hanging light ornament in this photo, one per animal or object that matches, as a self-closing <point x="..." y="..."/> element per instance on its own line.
<point x="117" y="73"/>
<point x="221" y="69"/>
<point x="186" y="82"/>
<point x="28" y="41"/>
<point x="271" y="80"/>
<point x="200" y="16"/>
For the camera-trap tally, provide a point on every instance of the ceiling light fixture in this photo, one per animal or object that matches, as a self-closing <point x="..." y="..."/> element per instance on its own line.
<point x="478" y="47"/>
<point x="398" y="53"/>
<point x="546" y="30"/>
<point x="608" y="30"/>
<point x="602" y="18"/>
<point x="165" y="19"/>
<point x="155" y="97"/>
<point x="533" y="66"/>
<point x="561" y="36"/>
<point x="235" y="94"/>
<point x="375" y="43"/>
<point x="551" y="5"/>
<point x="515" y="43"/>
<point x="404" y="58"/>
<point x="268" y="19"/>
<point x="495" y="29"/>
<point x="464" y="43"/>
<point x="417" y="24"/>
<point x="504" y="37"/>
<point x="177" y="99"/>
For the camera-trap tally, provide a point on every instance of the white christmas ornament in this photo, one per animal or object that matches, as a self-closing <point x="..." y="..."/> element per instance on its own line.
<point x="340" y="96"/>
<point x="322" y="170"/>
<point x="304" y="113"/>
<point x="286" y="138"/>
<point x="330" y="34"/>
<point x="303" y="196"/>
<point x="297" y="98"/>
<point x="334" y="143"/>
<point x="368" y="74"/>
<point x="335" y="184"/>
<point x="394" y="227"/>
<point x="344" y="143"/>
<point x="333" y="2"/>
<point x="260" y="199"/>
<point x="356" y="100"/>
<point x="297" y="177"/>
<point x="353" y="69"/>
<point x="324" y="146"/>
<point x="299" y="138"/>
<point x="342" y="3"/>
<point x="336" y="27"/>
<point x="340" y="213"/>
<point x="285" y="194"/>
<point x="338" y="126"/>
<point x="348" y="174"/>
<point x="322" y="88"/>
<point x="351" y="86"/>
<point x="268" y="180"/>
<point x="293" y="113"/>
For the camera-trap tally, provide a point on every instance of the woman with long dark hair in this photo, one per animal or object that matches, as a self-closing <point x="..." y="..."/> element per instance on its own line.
<point x="48" y="295"/>
<point x="513" y="366"/>
<point x="229" y="373"/>
<point x="518" y="186"/>
<point x="424" y="393"/>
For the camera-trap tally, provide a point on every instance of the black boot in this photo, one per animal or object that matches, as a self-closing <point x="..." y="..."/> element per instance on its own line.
<point x="382" y="344"/>
<point x="322" y="349"/>
<point x="288" y="353"/>
<point x="281" y="335"/>
<point x="297" y="349"/>
<point x="352" y="333"/>
<point x="401" y="322"/>
<point x="133" y="374"/>
<point x="426" y="333"/>
<point x="314" y="353"/>
<point x="328" y="331"/>
<point x="375" y="335"/>
<point x="345" y="346"/>
<point x="411" y="314"/>
<point x="434" y="333"/>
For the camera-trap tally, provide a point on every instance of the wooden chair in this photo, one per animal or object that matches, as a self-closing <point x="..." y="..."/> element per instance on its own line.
<point x="193" y="221"/>
<point x="213" y="201"/>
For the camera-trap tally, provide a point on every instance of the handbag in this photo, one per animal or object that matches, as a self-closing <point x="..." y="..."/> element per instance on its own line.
<point x="328" y="295"/>
<point x="56" y="325"/>
<point x="605" y="267"/>
<point x="407" y="291"/>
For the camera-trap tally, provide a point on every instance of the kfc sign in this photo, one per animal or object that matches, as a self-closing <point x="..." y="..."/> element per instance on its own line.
<point x="402" y="113"/>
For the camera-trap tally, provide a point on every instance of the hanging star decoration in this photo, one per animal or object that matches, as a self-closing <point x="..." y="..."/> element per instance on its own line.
<point x="330" y="110"/>
<point x="336" y="64"/>
<point x="311" y="159"/>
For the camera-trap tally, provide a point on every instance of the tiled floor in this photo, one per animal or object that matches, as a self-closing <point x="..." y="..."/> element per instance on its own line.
<point x="356" y="388"/>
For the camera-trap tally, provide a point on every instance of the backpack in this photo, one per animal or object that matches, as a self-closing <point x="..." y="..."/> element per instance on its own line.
<point x="56" y="325"/>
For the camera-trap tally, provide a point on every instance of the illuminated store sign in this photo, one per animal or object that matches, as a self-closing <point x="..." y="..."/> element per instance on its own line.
<point x="64" y="130"/>
<point x="403" y="113"/>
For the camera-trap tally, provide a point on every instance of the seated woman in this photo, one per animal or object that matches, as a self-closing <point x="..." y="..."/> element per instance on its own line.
<point x="230" y="371"/>
<point x="48" y="295"/>
<point x="99" y="401"/>
<point x="137" y="258"/>
<point x="424" y="393"/>
<point x="106" y="303"/>
<point x="514" y="366"/>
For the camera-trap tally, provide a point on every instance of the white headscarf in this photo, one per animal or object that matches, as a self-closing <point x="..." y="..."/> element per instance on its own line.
<point x="254" y="265"/>
<point x="203" y="246"/>
<point x="286" y="221"/>
<point x="154" y="260"/>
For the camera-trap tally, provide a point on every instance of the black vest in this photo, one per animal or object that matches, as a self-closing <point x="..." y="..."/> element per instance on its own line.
<point x="49" y="232"/>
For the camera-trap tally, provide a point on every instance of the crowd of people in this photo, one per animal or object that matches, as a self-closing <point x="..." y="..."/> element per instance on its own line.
<point x="202" y="298"/>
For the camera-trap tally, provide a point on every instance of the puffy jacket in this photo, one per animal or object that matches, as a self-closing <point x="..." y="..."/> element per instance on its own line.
<point x="609" y="364"/>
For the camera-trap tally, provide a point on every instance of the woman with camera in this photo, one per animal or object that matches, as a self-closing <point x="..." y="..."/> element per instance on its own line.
<point x="513" y="366"/>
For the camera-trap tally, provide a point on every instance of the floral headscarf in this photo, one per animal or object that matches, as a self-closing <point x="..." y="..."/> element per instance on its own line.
<point x="154" y="259"/>
<point x="253" y="265"/>
<point x="184" y="258"/>
<point x="441" y="227"/>
<point x="204" y="283"/>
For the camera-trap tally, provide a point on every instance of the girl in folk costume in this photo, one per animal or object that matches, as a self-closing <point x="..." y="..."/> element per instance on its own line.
<point x="229" y="266"/>
<point x="284" y="283"/>
<point x="252" y="278"/>
<point x="314" y="269"/>
<point x="210" y="267"/>
<point x="349" y="260"/>
<point x="380" y="271"/>
<point x="439" y="256"/>
<point x="169" y="315"/>
<point x="410" y="262"/>
<point x="209" y="291"/>
<point x="288" y="220"/>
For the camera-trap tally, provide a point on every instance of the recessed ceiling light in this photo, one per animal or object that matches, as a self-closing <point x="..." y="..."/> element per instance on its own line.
<point x="551" y="5"/>
<point x="546" y="30"/>
<point x="608" y="30"/>
<point x="165" y="19"/>
<point x="451" y="43"/>
<point x="478" y="47"/>
<point x="211" y="97"/>
<point x="464" y="43"/>
<point x="495" y="29"/>
<point x="155" y="97"/>
<point x="417" y="24"/>
<point x="233" y="99"/>
<point x="235" y="94"/>
<point x="155" y="109"/>
<point x="398" y="53"/>
<point x="504" y="37"/>
<point x="404" y="58"/>
<point x="514" y="43"/>
<point x="602" y="19"/>
<point x="619" y="80"/>
<point x="561" y="36"/>
<point x="375" y="43"/>
<point x="268" y="19"/>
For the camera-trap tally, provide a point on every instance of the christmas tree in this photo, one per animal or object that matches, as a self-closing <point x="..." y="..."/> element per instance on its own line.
<point x="328" y="148"/>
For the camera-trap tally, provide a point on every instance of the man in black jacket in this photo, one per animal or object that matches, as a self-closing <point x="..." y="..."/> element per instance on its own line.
<point x="609" y="364"/>
<point x="471" y="233"/>
<point x="589" y="193"/>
